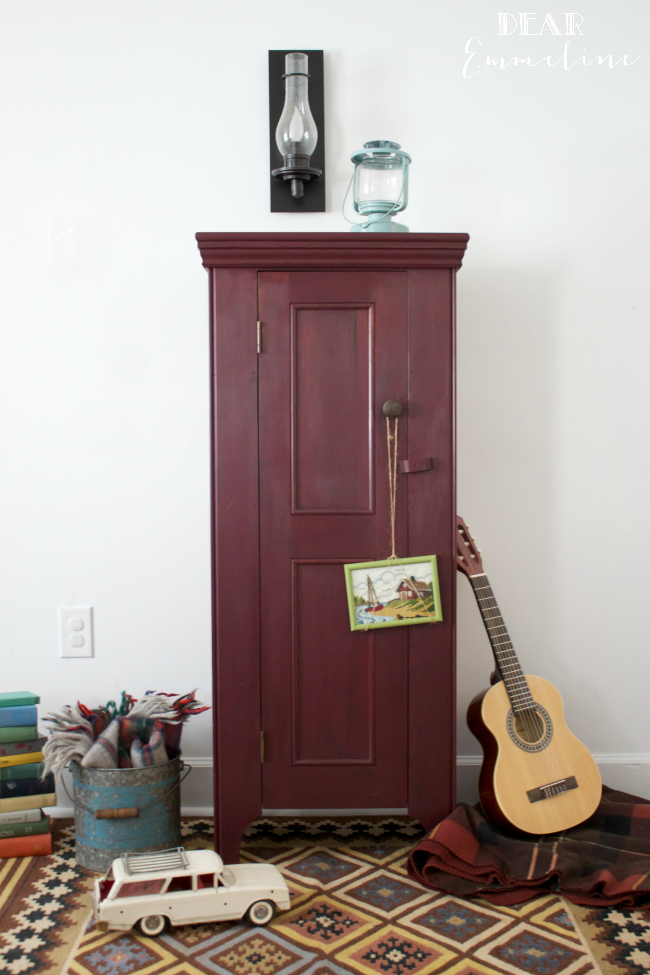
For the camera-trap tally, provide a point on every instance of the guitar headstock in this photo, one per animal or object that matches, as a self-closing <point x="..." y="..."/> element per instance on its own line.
<point x="468" y="556"/>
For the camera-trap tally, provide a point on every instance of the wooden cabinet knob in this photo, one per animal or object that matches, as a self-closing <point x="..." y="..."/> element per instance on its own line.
<point x="392" y="408"/>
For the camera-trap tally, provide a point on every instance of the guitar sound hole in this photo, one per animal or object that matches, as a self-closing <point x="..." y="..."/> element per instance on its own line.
<point x="530" y="729"/>
<point x="529" y="726"/>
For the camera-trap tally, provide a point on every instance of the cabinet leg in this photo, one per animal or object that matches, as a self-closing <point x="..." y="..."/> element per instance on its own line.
<point x="228" y="834"/>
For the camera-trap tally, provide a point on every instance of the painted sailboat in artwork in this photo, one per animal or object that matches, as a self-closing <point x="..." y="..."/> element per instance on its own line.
<point x="373" y="602"/>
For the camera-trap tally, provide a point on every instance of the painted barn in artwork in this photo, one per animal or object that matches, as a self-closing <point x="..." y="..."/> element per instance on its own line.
<point x="412" y="588"/>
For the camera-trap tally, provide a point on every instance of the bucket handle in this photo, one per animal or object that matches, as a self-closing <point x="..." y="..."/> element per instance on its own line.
<point x="132" y="812"/>
<point x="124" y="812"/>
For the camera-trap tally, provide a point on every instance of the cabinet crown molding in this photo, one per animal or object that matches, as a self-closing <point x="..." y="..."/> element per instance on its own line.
<point x="275" y="251"/>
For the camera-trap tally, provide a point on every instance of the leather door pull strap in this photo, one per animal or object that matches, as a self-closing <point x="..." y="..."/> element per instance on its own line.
<point x="413" y="466"/>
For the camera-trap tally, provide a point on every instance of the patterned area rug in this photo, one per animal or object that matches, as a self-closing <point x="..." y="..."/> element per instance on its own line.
<point x="354" y="912"/>
<point x="44" y="904"/>
<point x="619" y="938"/>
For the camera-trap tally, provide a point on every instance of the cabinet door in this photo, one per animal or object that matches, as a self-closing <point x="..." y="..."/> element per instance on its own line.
<point x="334" y="703"/>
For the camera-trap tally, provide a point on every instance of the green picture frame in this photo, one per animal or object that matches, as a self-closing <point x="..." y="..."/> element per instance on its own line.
<point x="395" y="592"/>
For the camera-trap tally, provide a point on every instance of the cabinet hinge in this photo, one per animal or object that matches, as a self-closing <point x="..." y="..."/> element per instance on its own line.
<point x="259" y="336"/>
<point x="261" y="746"/>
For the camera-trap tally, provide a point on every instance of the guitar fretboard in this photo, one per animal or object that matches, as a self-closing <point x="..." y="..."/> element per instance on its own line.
<point x="506" y="658"/>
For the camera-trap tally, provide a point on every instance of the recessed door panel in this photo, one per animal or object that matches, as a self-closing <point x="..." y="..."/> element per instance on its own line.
<point x="332" y="418"/>
<point x="333" y="672"/>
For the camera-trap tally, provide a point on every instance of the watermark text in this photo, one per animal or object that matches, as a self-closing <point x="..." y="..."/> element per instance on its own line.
<point x="524" y="23"/>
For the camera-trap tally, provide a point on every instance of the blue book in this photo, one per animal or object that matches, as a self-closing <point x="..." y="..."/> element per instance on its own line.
<point x="16" y="717"/>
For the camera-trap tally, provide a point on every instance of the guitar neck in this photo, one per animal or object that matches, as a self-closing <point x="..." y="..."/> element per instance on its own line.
<point x="504" y="653"/>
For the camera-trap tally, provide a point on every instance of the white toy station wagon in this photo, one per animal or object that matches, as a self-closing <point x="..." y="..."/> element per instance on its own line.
<point x="154" y="890"/>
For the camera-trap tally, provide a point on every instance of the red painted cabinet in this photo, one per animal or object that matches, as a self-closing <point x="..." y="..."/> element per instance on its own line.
<point x="309" y="715"/>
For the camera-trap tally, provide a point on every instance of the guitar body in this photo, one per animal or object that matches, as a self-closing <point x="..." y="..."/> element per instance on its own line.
<point x="515" y="768"/>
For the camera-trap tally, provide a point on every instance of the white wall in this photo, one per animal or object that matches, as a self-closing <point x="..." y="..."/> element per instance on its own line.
<point x="123" y="122"/>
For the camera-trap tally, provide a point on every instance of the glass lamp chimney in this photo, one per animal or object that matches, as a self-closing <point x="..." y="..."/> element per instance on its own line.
<point x="296" y="135"/>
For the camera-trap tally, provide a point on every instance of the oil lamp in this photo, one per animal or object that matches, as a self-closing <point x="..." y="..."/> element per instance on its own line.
<point x="380" y="185"/>
<point x="296" y="135"/>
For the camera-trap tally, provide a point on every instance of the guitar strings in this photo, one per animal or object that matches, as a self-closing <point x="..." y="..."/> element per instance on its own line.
<point x="532" y="725"/>
<point x="506" y="655"/>
<point x="530" y="722"/>
<point x="529" y="717"/>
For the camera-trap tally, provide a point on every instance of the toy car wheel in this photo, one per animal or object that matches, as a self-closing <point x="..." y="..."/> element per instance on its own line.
<point x="261" y="912"/>
<point x="152" y="925"/>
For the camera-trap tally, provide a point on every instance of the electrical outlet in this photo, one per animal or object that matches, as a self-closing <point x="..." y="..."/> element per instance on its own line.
<point x="75" y="631"/>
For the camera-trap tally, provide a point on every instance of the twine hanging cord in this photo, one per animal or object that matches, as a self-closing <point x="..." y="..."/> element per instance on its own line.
<point x="392" y="482"/>
<point x="392" y="492"/>
<point x="392" y="489"/>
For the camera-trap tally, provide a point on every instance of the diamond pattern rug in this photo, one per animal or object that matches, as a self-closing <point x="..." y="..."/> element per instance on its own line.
<point x="354" y="911"/>
<point x="619" y="938"/>
<point x="44" y="904"/>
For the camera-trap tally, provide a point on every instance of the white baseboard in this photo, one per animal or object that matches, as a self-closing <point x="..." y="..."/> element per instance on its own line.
<point x="629" y="772"/>
<point x="636" y="758"/>
<point x="610" y="758"/>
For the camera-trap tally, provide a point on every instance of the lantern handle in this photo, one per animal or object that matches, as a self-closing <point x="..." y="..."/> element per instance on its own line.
<point x="354" y="223"/>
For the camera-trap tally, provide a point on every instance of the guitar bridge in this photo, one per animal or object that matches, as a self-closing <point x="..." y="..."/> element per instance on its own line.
<point x="552" y="789"/>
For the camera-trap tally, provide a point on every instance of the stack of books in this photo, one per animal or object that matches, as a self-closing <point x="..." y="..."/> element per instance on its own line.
<point x="24" y="827"/>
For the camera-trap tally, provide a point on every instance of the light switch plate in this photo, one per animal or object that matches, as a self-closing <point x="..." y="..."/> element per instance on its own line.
<point x="75" y="631"/>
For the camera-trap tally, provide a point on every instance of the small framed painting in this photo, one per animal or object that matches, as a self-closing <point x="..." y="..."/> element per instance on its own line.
<point x="393" y="593"/>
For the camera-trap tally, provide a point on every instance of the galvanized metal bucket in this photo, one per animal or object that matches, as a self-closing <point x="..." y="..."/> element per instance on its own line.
<point x="125" y="811"/>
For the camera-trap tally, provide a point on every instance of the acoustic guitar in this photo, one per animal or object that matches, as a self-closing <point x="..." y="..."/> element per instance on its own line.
<point x="536" y="776"/>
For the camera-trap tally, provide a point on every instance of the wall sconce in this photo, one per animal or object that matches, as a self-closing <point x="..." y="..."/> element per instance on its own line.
<point x="296" y="135"/>
<point x="380" y="186"/>
<point x="296" y="130"/>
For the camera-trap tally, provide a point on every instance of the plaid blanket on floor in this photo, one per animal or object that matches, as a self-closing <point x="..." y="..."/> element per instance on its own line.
<point x="605" y="860"/>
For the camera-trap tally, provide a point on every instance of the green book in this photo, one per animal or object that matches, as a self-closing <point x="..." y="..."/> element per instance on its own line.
<point x="16" y="698"/>
<point x="16" y="733"/>
<point x="9" y="830"/>
<point x="31" y="771"/>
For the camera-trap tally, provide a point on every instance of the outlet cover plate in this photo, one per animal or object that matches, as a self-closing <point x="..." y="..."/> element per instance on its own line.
<point x="76" y="631"/>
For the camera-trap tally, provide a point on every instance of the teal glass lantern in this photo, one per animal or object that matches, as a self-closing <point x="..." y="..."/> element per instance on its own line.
<point x="380" y="185"/>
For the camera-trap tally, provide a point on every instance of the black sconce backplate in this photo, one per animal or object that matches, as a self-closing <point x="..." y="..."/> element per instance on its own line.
<point x="313" y="200"/>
